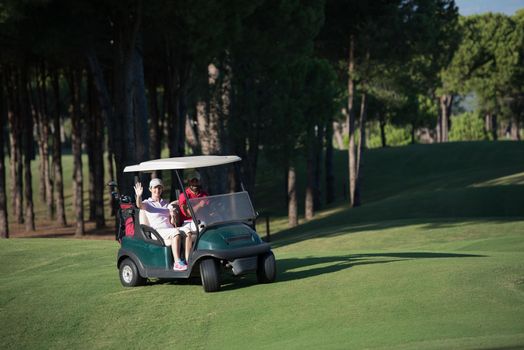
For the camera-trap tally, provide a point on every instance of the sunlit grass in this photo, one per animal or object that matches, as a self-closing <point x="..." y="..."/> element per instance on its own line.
<point x="405" y="284"/>
<point x="514" y="179"/>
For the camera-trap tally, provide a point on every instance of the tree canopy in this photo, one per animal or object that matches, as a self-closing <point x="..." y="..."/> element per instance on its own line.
<point x="133" y="80"/>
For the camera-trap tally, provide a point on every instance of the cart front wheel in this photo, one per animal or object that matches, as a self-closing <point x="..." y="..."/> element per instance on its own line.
<point x="210" y="275"/>
<point x="129" y="276"/>
<point x="267" y="268"/>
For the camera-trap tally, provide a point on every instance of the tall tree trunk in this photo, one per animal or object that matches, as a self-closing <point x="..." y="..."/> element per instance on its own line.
<point x="104" y="101"/>
<point x="494" y="127"/>
<point x="446" y="102"/>
<point x="37" y="115"/>
<point x="76" y="144"/>
<point x="182" y="97"/>
<point x="128" y="122"/>
<point x="155" y="133"/>
<point x="98" y="174"/>
<point x="111" y="171"/>
<point x="171" y="125"/>
<point x="245" y="128"/>
<point x="41" y="119"/>
<point x="310" y="176"/>
<point x="192" y="135"/>
<point x="330" y="177"/>
<point x="15" y="118"/>
<point x="337" y="132"/>
<point x="439" y="124"/>
<point x="350" y="121"/>
<point x="515" y="128"/>
<point x="108" y="114"/>
<point x="487" y="123"/>
<point x="4" y="223"/>
<point x="361" y="145"/>
<point x="382" y="122"/>
<point x="177" y="78"/>
<point x="319" y="150"/>
<point x="125" y="151"/>
<point x="139" y="115"/>
<point x="292" y="207"/>
<point x="57" y="155"/>
<point x="413" y="129"/>
<point x="212" y="117"/>
<point x="95" y="142"/>
<point x="27" y="141"/>
<point x="491" y="125"/>
<point x="90" y="143"/>
<point x="114" y="133"/>
<point x="45" y="145"/>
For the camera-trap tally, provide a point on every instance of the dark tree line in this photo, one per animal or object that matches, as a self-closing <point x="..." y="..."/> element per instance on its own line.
<point x="128" y="80"/>
<point x="120" y="82"/>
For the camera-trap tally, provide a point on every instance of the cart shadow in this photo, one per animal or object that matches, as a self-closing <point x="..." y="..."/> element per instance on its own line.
<point x="299" y="268"/>
<point x="192" y="281"/>
<point x="292" y="269"/>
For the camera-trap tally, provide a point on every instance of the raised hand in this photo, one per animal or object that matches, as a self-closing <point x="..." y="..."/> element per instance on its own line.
<point x="139" y="189"/>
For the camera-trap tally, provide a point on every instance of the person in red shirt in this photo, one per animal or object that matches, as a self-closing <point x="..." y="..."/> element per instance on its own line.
<point x="194" y="190"/>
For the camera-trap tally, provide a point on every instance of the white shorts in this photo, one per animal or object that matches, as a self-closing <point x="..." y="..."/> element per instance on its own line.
<point x="189" y="229"/>
<point x="168" y="234"/>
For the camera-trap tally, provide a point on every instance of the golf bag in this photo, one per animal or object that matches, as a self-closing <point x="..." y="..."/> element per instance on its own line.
<point x="126" y="216"/>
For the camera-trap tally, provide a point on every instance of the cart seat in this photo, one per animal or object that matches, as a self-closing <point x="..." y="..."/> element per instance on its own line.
<point x="146" y="228"/>
<point x="143" y="218"/>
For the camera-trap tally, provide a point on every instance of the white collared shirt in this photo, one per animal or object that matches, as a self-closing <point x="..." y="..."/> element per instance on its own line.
<point x="157" y="213"/>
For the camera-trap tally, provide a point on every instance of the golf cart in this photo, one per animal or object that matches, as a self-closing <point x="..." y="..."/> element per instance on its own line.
<point x="226" y="239"/>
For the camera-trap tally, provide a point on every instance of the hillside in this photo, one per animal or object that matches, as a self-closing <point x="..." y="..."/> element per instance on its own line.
<point x="454" y="180"/>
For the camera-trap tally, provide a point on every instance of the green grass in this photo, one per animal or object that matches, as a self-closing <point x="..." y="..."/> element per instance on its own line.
<point x="432" y="285"/>
<point x="434" y="259"/>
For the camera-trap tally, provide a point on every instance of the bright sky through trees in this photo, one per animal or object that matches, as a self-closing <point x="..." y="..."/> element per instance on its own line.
<point x="471" y="7"/>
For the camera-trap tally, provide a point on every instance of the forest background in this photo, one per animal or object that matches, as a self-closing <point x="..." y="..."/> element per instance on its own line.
<point x="119" y="82"/>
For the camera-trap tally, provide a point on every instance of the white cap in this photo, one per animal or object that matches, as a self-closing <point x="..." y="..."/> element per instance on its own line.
<point x="155" y="182"/>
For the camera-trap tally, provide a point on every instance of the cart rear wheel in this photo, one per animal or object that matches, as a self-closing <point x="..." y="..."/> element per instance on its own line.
<point x="129" y="275"/>
<point x="210" y="275"/>
<point x="267" y="268"/>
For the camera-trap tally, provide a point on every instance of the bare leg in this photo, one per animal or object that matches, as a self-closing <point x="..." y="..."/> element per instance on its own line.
<point x="175" y="247"/>
<point x="189" y="244"/>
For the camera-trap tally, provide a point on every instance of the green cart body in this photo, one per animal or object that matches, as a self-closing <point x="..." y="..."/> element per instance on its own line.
<point x="226" y="238"/>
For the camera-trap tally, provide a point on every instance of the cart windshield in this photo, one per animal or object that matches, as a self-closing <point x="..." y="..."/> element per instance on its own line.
<point x="223" y="208"/>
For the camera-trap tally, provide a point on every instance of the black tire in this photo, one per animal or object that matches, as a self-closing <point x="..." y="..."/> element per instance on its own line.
<point x="267" y="268"/>
<point x="210" y="275"/>
<point x="129" y="275"/>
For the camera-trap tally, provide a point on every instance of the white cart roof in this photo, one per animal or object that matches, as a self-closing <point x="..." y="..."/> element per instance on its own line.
<point x="181" y="163"/>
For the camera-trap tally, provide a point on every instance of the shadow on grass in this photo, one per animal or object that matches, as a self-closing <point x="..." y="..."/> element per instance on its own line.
<point x="292" y="269"/>
<point x="298" y="268"/>
<point x="307" y="231"/>
<point x="191" y="281"/>
<point x="434" y="209"/>
<point x="68" y="232"/>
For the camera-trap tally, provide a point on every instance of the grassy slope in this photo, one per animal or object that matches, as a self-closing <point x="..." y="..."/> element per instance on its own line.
<point x="397" y="273"/>
<point x="454" y="180"/>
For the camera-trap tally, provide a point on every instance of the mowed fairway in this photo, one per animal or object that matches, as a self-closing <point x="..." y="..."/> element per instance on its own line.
<point x="352" y="279"/>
